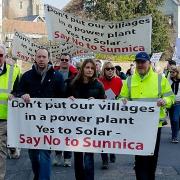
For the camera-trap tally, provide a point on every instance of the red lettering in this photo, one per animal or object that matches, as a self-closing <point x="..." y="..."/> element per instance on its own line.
<point x="129" y="145"/>
<point x="56" y="34"/>
<point x="22" y="140"/>
<point x="86" y="142"/>
<point x="51" y="141"/>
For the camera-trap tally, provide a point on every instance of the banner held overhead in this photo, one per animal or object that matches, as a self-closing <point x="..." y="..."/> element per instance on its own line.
<point x="124" y="37"/>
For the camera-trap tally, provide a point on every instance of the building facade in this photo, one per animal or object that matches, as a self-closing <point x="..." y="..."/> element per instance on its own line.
<point x="12" y="9"/>
<point x="19" y="8"/>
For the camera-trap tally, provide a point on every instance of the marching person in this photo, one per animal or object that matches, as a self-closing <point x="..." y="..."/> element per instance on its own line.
<point x="85" y="86"/>
<point x="12" y="153"/>
<point x="120" y="73"/>
<point x="130" y="71"/>
<point x="168" y="67"/>
<point x="98" y="67"/>
<point x="42" y="81"/>
<point x="9" y="78"/>
<point x="112" y="85"/>
<point x="174" y="111"/>
<point x="69" y="72"/>
<point x="63" y="65"/>
<point x="146" y="85"/>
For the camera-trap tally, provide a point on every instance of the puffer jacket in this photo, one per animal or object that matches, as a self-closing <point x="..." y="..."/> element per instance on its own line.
<point x="52" y="86"/>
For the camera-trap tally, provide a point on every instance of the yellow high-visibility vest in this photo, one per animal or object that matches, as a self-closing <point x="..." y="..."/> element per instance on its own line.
<point x="149" y="89"/>
<point x="6" y="86"/>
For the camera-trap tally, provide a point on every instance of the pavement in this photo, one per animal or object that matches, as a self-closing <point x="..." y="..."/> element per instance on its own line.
<point x="168" y="165"/>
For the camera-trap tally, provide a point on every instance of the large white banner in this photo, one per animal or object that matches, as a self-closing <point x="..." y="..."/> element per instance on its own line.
<point x="125" y="37"/>
<point x="25" y="49"/>
<point x="83" y="125"/>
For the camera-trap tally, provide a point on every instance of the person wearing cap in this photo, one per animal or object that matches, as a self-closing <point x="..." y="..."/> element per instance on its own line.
<point x="42" y="81"/>
<point x="9" y="78"/>
<point x="146" y="85"/>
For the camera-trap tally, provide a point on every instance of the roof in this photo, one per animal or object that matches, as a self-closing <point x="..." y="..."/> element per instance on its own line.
<point x="9" y="26"/>
<point x="30" y="18"/>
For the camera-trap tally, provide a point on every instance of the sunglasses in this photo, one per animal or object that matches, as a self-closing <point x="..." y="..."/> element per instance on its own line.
<point x="173" y="72"/>
<point x="1" y="55"/>
<point x="108" y="69"/>
<point x="64" y="60"/>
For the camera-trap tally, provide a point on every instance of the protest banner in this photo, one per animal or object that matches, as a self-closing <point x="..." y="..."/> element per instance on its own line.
<point x="83" y="125"/>
<point x="125" y="37"/>
<point x="156" y="57"/>
<point x="25" y="49"/>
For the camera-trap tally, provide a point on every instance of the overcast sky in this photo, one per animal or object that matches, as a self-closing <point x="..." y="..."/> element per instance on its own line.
<point x="57" y="3"/>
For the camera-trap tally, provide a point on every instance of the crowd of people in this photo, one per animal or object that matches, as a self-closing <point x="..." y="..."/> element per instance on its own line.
<point x="96" y="80"/>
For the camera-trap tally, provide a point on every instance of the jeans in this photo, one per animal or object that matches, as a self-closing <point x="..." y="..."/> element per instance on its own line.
<point x="84" y="166"/>
<point x="41" y="163"/>
<point x="67" y="154"/>
<point x="174" y="115"/>
<point x="145" y="166"/>
<point x="105" y="158"/>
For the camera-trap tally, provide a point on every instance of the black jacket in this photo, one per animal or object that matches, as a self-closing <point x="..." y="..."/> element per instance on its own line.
<point x="84" y="91"/>
<point x="51" y="87"/>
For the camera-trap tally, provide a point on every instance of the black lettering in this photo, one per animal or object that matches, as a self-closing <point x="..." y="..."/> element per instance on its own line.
<point x="151" y="109"/>
<point x="79" y="131"/>
<point x="133" y="109"/>
<point x="143" y="109"/>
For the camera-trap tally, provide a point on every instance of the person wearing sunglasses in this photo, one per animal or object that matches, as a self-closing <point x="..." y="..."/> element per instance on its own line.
<point x="68" y="71"/>
<point x="174" y="111"/>
<point x="9" y="78"/>
<point x="112" y="85"/>
<point x="63" y="64"/>
<point x="146" y="85"/>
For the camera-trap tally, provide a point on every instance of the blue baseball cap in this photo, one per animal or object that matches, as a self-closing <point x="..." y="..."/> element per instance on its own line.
<point x="142" y="56"/>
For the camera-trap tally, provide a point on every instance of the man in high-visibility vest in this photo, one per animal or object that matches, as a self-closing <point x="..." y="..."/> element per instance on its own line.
<point x="9" y="77"/>
<point x="146" y="85"/>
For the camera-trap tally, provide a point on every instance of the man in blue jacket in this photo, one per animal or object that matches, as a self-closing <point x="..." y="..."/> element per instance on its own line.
<point x="42" y="81"/>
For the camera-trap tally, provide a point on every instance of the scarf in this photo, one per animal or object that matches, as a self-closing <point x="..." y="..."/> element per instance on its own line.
<point x="43" y="72"/>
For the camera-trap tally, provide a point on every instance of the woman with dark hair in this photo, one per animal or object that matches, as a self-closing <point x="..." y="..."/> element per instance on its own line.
<point x="85" y="86"/>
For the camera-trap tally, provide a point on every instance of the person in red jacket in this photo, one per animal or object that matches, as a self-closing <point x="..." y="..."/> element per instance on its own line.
<point x="63" y="65"/>
<point x="112" y="86"/>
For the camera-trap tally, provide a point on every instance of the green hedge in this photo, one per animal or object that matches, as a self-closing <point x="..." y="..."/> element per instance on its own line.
<point x="116" y="58"/>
